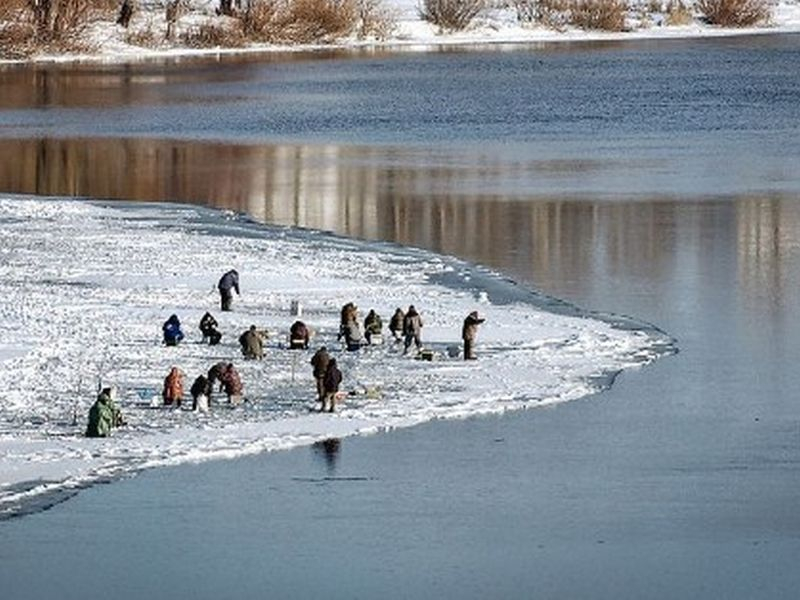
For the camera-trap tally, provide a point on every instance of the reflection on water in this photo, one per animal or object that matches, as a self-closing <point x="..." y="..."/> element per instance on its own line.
<point x="424" y="198"/>
<point x="329" y="450"/>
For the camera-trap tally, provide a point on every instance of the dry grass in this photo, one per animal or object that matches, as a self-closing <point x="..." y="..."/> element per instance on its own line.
<point x="300" y="21"/>
<point x="678" y="14"/>
<point x="374" y="20"/>
<point x="604" y="15"/>
<point x="527" y="10"/>
<point x="451" y="15"/>
<point x="554" y="14"/>
<point x="734" y="13"/>
<point x="212" y="35"/>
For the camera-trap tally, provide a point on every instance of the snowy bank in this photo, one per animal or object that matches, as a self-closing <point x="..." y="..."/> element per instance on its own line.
<point x="87" y="287"/>
<point x="145" y="38"/>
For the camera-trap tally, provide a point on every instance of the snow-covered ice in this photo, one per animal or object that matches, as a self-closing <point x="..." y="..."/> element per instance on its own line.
<point x="87" y="286"/>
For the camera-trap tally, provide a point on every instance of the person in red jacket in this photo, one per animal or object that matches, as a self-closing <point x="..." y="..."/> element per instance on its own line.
<point x="173" y="388"/>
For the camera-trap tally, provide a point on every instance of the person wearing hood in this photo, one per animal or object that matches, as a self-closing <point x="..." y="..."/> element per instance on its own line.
<point x="373" y="326"/>
<point x="469" y="333"/>
<point x="320" y="362"/>
<point x="299" y="336"/>
<point x="412" y="329"/>
<point x="173" y="388"/>
<point x="252" y="344"/>
<point x="172" y="331"/>
<point x="227" y="283"/>
<point x="208" y="327"/>
<point x="104" y="414"/>
<point x="232" y="385"/>
<point x="333" y="378"/>
<point x="396" y="323"/>
<point x="200" y="391"/>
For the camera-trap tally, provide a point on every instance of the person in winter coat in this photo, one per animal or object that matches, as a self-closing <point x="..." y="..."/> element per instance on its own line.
<point x="104" y="414"/>
<point x="412" y="329"/>
<point x="469" y="333"/>
<point x="396" y="323"/>
<point x="200" y="392"/>
<point x="252" y="344"/>
<point x="333" y="378"/>
<point x="320" y="362"/>
<point x="208" y="327"/>
<point x="352" y="335"/>
<point x="172" y="331"/>
<point x="173" y="388"/>
<point x="299" y="336"/>
<point x="214" y="375"/>
<point x="373" y="325"/>
<point x="232" y="384"/>
<point x="226" y="285"/>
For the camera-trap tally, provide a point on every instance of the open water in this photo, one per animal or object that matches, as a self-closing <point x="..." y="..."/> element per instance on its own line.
<point x="658" y="180"/>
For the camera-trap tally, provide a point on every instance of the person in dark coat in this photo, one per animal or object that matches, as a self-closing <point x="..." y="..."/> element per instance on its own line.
<point x="104" y="415"/>
<point x="232" y="384"/>
<point x="333" y="378"/>
<point x="396" y="324"/>
<point x="200" y="392"/>
<point x="299" y="336"/>
<point x="172" y="331"/>
<point x="215" y="375"/>
<point x="252" y="344"/>
<point x="208" y="327"/>
<point x="320" y="362"/>
<point x="373" y="326"/>
<point x="226" y="285"/>
<point x="469" y="333"/>
<point x="412" y="329"/>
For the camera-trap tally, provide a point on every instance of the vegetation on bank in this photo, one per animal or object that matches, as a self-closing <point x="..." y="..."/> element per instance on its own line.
<point x="28" y="27"/>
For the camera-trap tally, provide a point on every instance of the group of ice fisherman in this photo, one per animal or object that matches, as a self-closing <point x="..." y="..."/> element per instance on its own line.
<point x="405" y="327"/>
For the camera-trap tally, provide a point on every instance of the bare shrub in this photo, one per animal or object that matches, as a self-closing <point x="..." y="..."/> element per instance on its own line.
<point x="300" y="21"/>
<point x="554" y="14"/>
<point x="143" y="35"/>
<point x="678" y="14"/>
<point x="734" y="13"/>
<point x="374" y="20"/>
<point x="527" y="10"/>
<point x="212" y="35"/>
<point x="451" y="15"/>
<point x="605" y="15"/>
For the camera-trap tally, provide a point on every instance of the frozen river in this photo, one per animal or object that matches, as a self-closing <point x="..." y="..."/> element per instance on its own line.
<point x="657" y="180"/>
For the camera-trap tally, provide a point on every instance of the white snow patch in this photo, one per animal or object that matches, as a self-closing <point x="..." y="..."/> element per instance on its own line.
<point x="86" y="288"/>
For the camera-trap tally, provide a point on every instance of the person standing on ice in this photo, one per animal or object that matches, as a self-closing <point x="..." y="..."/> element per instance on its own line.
<point x="396" y="323"/>
<point x="226" y="285"/>
<point x="172" y="331"/>
<point x="333" y="378"/>
<point x="412" y="329"/>
<point x="469" y="333"/>
<point x="104" y="414"/>
<point x="173" y="388"/>
<point x="320" y="362"/>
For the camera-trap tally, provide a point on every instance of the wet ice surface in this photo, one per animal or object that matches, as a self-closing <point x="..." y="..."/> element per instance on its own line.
<point x="86" y="287"/>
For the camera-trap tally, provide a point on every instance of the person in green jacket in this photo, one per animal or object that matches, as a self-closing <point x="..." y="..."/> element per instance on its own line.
<point x="104" y="415"/>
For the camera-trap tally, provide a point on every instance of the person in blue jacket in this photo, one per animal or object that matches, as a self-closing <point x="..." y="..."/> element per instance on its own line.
<point x="172" y="331"/>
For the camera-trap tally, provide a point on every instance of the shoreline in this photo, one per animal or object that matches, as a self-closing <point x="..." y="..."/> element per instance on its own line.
<point x="464" y="41"/>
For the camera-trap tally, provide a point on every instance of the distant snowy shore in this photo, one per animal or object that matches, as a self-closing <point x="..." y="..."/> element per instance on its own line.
<point x="112" y="43"/>
<point x="86" y="287"/>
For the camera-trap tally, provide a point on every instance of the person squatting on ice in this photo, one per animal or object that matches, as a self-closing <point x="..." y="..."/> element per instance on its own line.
<point x="299" y="336"/>
<point x="412" y="329"/>
<point x="333" y="377"/>
<point x="396" y="324"/>
<point x="252" y="344"/>
<point x="226" y="285"/>
<point x="173" y="388"/>
<point x="373" y="326"/>
<point x="208" y="327"/>
<point x="232" y="385"/>
<point x="200" y="392"/>
<point x="104" y="414"/>
<point x="469" y="333"/>
<point x="320" y="362"/>
<point x="214" y="375"/>
<point x="172" y="331"/>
